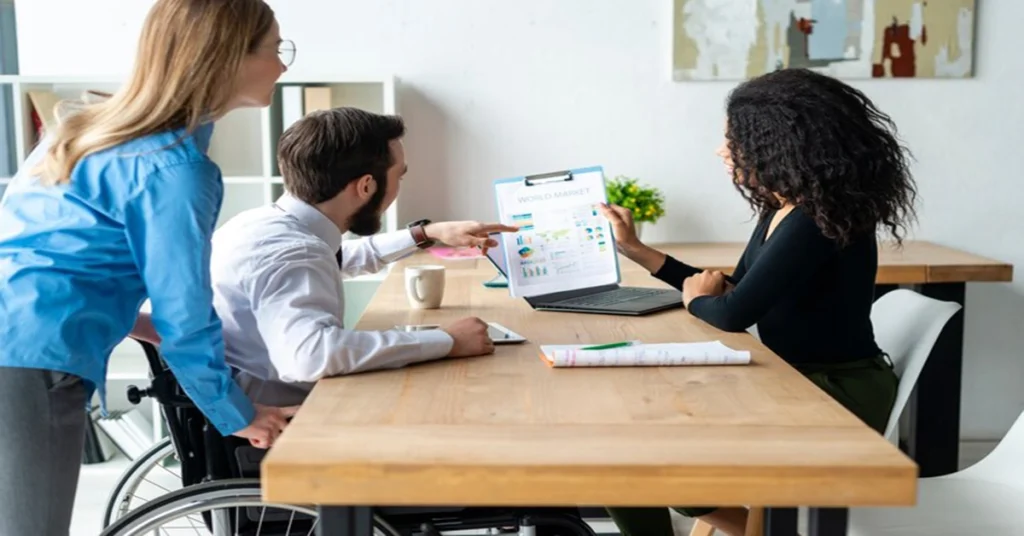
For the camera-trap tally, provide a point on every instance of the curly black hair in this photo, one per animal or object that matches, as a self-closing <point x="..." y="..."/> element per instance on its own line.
<point x="822" y="145"/>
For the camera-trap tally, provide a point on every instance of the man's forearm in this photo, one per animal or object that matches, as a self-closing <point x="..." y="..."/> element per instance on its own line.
<point x="372" y="254"/>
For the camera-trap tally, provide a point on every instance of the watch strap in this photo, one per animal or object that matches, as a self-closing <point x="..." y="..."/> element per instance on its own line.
<point x="419" y="235"/>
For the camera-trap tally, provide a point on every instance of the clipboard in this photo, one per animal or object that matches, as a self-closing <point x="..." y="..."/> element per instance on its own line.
<point x="563" y="243"/>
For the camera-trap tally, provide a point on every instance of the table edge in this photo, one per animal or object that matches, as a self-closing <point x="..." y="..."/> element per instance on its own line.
<point x="474" y="486"/>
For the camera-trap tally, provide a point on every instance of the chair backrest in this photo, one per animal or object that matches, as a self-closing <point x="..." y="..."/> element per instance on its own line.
<point x="906" y="326"/>
<point x="1005" y="464"/>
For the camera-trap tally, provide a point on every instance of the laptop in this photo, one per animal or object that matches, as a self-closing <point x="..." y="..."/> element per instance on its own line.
<point x="605" y="299"/>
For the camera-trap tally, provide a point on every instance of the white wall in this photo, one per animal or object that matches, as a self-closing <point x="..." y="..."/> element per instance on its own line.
<point x="492" y="89"/>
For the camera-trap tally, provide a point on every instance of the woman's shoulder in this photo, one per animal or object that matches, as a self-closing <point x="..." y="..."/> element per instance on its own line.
<point x="146" y="153"/>
<point x="169" y="147"/>
<point x="171" y="155"/>
<point x="804" y="224"/>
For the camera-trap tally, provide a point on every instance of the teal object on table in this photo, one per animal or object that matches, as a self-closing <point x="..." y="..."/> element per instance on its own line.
<point x="499" y="281"/>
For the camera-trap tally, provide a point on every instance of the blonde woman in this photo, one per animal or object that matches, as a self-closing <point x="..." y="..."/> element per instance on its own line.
<point x="115" y="206"/>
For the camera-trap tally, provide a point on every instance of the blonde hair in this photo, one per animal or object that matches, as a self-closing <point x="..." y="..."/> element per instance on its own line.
<point x="187" y="50"/>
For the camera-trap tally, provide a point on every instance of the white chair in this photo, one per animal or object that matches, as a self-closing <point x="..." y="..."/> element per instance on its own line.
<point x="906" y="326"/>
<point x="986" y="499"/>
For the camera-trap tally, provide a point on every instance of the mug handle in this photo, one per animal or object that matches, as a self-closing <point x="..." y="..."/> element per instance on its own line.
<point x="416" y="288"/>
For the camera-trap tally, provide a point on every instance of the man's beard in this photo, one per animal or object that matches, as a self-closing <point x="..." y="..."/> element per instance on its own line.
<point x="366" y="220"/>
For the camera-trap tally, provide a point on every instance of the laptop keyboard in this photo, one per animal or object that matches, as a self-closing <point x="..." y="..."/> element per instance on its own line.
<point x="612" y="297"/>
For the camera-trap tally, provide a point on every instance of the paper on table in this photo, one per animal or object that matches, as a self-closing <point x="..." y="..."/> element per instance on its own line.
<point x="639" y="355"/>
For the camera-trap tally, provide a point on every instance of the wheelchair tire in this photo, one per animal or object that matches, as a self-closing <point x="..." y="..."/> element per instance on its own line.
<point x="155" y="453"/>
<point x="234" y="493"/>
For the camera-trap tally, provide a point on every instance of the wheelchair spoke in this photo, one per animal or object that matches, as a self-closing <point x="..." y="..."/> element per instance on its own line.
<point x="154" y="484"/>
<point x="259" y="527"/>
<point x="139" y="497"/>
<point x="291" y="519"/>
<point x="312" y="529"/>
<point x="156" y="474"/>
<point x="168" y="471"/>
<point x="193" y="521"/>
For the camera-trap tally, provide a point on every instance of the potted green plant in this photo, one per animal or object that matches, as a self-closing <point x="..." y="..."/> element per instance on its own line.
<point x="646" y="202"/>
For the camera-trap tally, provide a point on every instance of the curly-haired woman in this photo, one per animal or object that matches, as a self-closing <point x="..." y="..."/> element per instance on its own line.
<point x="823" y="169"/>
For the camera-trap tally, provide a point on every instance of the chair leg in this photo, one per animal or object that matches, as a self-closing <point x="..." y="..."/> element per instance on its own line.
<point x="755" y="522"/>
<point x="702" y="528"/>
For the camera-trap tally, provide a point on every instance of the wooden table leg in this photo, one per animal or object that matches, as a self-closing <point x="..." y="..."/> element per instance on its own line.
<point x="780" y="522"/>
<point x="827" y="521"/>
<point x="934" y="441"/>
<point x="345" y="521"/>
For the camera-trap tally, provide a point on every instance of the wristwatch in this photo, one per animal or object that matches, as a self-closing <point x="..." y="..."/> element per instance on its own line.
<point x="419" y="233"/>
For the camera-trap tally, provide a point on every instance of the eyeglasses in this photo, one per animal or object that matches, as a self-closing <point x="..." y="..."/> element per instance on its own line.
<point x="286" y="51"/>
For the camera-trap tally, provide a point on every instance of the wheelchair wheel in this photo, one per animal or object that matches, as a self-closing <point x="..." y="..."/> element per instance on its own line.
<point x="223" y="508"/>
<point x="154" y="473"/>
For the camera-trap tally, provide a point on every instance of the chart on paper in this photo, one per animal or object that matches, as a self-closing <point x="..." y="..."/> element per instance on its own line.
<point x="563" y="241"/>
<point x="571" y="243"/>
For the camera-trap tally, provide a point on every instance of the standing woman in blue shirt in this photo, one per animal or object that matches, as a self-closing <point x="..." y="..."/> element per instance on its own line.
<point x="118" y="204"/>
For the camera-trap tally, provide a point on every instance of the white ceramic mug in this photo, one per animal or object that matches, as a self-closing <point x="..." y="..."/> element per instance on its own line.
<point x="424" y="285"/>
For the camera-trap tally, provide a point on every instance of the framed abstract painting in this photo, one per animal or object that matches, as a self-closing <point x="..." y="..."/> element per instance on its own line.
<point x="739" y="39"/>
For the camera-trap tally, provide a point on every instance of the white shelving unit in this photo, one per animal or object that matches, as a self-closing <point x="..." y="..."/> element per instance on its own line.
<point x="243" y="145"/>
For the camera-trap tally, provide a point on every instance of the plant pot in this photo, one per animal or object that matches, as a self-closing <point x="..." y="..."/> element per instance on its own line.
<point x="639" y="229"/>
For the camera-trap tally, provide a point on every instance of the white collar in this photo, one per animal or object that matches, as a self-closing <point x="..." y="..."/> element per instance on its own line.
<point x="316" y="221"/>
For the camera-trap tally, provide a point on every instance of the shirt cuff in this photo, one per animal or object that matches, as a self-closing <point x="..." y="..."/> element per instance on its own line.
<point x="394" y="246"/>
<point x="434" y="343"/>
<point x="238" y="413"/>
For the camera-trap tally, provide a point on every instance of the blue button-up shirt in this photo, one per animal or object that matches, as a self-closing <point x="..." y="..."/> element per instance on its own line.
<point x="77" y="261"/>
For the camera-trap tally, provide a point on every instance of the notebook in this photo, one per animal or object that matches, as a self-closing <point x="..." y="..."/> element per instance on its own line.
<point x="640" y="355"/>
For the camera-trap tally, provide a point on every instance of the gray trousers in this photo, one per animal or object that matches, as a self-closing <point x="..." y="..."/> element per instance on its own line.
<point x="42" y="431"/>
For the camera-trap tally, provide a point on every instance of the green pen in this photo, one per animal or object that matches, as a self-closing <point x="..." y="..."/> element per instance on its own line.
<point x="608" y="346"/>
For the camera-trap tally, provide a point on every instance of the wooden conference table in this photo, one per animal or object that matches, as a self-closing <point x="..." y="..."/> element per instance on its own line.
<point x="507" y="430"/>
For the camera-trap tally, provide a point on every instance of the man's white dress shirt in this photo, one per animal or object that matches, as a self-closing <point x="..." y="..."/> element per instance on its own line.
<point x="278" y="292"/>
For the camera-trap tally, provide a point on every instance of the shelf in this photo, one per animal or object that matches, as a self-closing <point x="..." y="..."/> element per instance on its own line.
<point x="64" y="88"/>
<point x="243" y="142"/>
<point x="47" y="80"/>
<point x="294" y="99"/>
<point x="327" y="78"/>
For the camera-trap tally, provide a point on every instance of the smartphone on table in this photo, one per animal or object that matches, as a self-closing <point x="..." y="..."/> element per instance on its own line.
<point x="498" y="333"/>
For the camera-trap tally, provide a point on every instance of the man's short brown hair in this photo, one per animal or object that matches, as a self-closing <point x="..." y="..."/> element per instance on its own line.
<point x="326" y="150"/>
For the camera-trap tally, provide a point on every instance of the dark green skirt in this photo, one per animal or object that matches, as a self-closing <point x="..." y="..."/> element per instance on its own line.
<point x="866" y="387"/>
